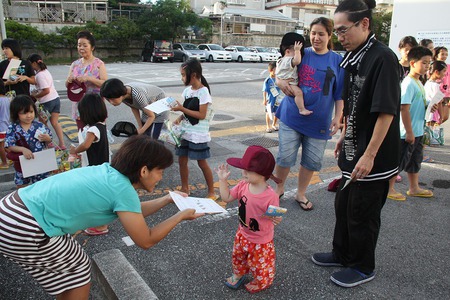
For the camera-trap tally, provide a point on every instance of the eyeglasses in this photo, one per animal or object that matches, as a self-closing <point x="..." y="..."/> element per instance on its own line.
<point x="343" y="31"/>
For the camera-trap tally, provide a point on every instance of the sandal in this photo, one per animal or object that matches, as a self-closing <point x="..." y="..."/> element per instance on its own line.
<point x="421" y="194"/>
<point x="94" y="231"/>
<point x="237" y="282"/>
<point x="427" y="159"/>
<point x="396" y="196"/>
<point x="268" y="130"/>
<point x="4" y="167"/>
<point x="304" y="204"/>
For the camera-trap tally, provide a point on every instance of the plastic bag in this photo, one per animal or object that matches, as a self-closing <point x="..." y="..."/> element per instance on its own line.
<point x="171" y="133"/>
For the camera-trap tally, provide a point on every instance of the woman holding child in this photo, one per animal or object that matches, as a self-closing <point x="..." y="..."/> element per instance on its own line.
<point x="321" y="80"/>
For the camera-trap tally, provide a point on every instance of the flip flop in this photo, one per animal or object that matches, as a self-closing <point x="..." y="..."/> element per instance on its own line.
<point x="269" y="130"/>
<point x="275" y="128"/>
<point x="4" y="167"/>
<point x="421" y="194"/>
<point x="280" y="196"/>
<point x="237" y="284"/>
<point x="304" y="205"/>
<point x="94" y="231"/>
<point x="427" y="159"/>
<point x="397" y="197"/>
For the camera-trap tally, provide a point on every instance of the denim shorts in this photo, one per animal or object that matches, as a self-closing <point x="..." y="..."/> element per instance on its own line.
<point x="192" y="150"/>
<point x="53" y="106"/>
<point x="289" y="143"/>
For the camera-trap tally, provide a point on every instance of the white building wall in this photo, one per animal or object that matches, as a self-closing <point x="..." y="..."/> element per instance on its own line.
<point x="421" y="19"/>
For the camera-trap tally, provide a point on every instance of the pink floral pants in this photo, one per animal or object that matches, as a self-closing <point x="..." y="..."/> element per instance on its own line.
<point x="257" y="259"/>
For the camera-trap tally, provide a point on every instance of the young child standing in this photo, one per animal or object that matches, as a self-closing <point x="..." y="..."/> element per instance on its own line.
<point x="25" y="135"/>
<point x="412" y="115"/>
<point x="47" y="95"/>
<point x="4" y="123"/>
<point x="93" y="113"/>
<point x="253" y="249"/>
<point x="270" y="94"/>
<point x="287" y="70"/>
<point x="432" y="87"/>
<point x="197" y="113"/>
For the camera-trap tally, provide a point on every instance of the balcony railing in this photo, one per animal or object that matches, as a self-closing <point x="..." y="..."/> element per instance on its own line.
<point x="272" y="3"/>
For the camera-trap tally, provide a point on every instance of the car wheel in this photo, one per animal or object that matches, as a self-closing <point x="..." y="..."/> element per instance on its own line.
<point x="211" y="58"/>
<point x="171" y="60"/>
<point x="184" y="58"/>
<point x="260" y="59"/>
<point x="240" y="59"/>
<point x="143" y="58"/>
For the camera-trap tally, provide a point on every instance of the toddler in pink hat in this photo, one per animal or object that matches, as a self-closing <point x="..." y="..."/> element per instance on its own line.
<point x="253" y="249"/>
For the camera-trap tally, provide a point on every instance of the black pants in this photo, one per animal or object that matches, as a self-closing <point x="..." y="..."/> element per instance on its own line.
<point x="358" y="209"/>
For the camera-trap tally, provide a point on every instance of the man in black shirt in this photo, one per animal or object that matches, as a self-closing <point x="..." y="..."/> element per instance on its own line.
<point x="369" y="147"/>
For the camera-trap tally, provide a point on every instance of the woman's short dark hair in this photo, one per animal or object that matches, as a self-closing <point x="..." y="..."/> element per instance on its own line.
<point x="408" y="40"/>
<point x="84" y="34"/>
<point x="21" y="103"/>
<point x="425" y="42"/>
<point x="357" y="10"/>
<point x="139" y="151"/>
<point x="328" y="24"/>
<point x="37" y="59"/>
<point x="92" y="109"/>
<point x="14" y="46"/>
<point x="113" y="88"/>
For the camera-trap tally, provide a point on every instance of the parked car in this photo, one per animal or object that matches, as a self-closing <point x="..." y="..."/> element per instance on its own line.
<point x="275" y="50"/>
<point x="215" y="52"/>
<point x="157" y="50"/>
<point x="184" y="51"/>
<point x="264" y="53"/>
<point x="241" y="53"/>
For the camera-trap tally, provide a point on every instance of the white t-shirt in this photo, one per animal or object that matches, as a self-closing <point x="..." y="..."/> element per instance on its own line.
<point x="198" y="133"/>
<point x="45" y="80"/>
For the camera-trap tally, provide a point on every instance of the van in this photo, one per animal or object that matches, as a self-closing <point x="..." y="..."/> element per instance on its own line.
<point x="157" y="50"/>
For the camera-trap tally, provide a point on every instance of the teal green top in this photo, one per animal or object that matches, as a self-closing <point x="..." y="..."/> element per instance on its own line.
<point x="79" y="199"/>
<point x="413" y="94"/>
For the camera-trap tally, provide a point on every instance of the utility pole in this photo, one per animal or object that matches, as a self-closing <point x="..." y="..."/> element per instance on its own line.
<point x="2" y="21"/>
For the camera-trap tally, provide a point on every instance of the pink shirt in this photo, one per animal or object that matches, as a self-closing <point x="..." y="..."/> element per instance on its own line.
<point x="445" y="83"/>
<point x="255" y="228"/>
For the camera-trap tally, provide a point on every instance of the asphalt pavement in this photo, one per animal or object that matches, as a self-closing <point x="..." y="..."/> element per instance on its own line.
<point x="195" y="258"/>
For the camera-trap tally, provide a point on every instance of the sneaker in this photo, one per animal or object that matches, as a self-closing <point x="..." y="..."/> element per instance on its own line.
<point x="326" y="260"/>
<point x="351" y="277"/>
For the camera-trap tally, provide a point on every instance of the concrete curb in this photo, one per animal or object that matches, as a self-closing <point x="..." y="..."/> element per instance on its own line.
<point x="117" y="277"/>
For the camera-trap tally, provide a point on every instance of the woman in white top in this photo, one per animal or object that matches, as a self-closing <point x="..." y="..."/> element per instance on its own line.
<point x="46" y="94"/>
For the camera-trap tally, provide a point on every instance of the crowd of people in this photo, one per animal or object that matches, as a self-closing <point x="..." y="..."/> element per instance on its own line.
<point x="379" y="104"/>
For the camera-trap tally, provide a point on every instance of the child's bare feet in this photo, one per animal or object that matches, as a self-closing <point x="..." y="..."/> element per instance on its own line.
<point x="304" y="111"/>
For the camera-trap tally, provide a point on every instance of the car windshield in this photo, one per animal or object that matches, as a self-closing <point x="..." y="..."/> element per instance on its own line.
<point x="261" y="49"/>
<point x="190" y="47"/>
<point x="215" y="47"/>
<point x="167" y="45"/>
<point x="242" y="49"/>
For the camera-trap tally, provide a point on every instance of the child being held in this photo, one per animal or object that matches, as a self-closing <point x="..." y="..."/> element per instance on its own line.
<point x="93" y="112"/>
<point x="253" y="250"/>
<point x="25" y="136"/>
<point x="287" y="70"/>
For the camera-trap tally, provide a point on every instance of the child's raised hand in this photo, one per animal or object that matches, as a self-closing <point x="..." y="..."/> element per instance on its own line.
<point x="298" y="46"/>
<point x="222" y="171"/>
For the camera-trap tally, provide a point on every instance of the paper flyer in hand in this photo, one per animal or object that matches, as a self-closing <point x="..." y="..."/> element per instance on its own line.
<point x="275" y="211"/>
<point x="436" y="99"/>
<point x="11" y="70"/>
<point x="162" y="105"/>
<point x="201" y="205"/>
<point x="43" y="161"/>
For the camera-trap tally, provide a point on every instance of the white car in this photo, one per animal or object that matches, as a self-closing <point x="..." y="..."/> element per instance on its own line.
<point x="241" y="53"/>
<point x="264" y="54"/>
<point x="276" y="51"/>
<point x="215" y="52"/>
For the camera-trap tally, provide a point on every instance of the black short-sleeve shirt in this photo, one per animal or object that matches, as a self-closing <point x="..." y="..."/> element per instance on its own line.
<point x="21" y="88"/>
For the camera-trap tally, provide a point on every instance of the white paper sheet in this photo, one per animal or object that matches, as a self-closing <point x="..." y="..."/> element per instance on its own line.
<point x="161" y="105"/>
<point x="84" y="157"/>
<point x="436" y="99"/>
<point x="12" y="66"/>
<point x="43" y="161"/>
<point x="201" y="205"/>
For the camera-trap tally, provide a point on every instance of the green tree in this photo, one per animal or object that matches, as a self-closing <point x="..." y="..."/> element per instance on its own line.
<point x="121" y="33"/>
<point x="382" y="26"/>
<point x="67" y="37"/>
<point x="169" y="19"/>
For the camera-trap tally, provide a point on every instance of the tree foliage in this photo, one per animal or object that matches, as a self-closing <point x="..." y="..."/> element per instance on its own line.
<point x="170" y="19"/>
<point x="121" y="33"/>
<point x="382" y="26"/>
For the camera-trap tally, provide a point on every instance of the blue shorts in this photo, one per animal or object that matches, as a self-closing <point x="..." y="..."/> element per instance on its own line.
<point x="154" y="130"/>
<point x="289" y="143"/>
<point x="192" y="150"/>
<point x="53" y="106"/>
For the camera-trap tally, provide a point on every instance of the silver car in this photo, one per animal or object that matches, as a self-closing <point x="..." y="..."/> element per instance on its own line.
<point x="184" y="51"/>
